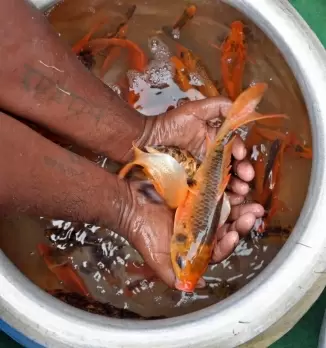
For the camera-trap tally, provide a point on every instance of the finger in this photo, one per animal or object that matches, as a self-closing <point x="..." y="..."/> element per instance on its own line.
<point x="244" y="224"/>
<point x="225" y="246"/>
<point x="239" y="210"/>
<point x="207" y="109"/>
<point x="160" y="263"/>
<point x="235" y="199"/>
<point x="239" y="150"/>
<point x="244" y="170"/>
<point x="238" y="186"/>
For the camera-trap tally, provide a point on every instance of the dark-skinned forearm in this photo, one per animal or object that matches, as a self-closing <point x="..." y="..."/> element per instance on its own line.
<point x="43" y="81"/>
<point x="40" y="178"/>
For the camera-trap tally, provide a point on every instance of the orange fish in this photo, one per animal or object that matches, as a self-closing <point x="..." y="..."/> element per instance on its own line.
<point x="181" y="77"/>
<point x="206" y="207"/>
<point x="80" y="45"/>
<point x="121" y="33"/>
<point x="197" y="68"/>
<point x="233" y="60"/>
<point x="137" y="58"/>
<point x="63" y="271"/>
<point x="186" y="16"/>
<point x="166" y="174"/>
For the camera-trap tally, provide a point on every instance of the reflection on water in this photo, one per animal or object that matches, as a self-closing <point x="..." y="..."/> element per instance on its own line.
<point x="96" y="262"/>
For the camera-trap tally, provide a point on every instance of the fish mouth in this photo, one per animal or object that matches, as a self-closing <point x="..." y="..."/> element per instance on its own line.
<point x="184" y="285"/>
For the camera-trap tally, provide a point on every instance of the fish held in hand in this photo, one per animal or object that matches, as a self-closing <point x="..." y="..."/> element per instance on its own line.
<point x="166" y="174"/>
<point x="206" y="207"/>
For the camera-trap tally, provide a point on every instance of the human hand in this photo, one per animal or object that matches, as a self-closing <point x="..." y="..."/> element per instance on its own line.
<point x="187" y="125"/>
<point x="149" y="226"/>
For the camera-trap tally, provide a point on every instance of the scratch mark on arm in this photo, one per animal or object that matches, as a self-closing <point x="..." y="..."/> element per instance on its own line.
<point x="51" y="66"/>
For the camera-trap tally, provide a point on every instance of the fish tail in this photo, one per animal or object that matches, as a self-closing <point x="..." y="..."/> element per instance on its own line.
<point x="63" y="271"/>
<point x="243" y="112"/>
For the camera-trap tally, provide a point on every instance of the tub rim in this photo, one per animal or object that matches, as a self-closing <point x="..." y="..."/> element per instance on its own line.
<point x="271" y="294"/>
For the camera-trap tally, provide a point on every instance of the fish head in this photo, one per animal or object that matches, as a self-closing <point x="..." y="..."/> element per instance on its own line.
<point x="237" y="31"/>
<point x="237" y="26"/>
<point x="189" y="59"/>
<point x="187" y="261"/>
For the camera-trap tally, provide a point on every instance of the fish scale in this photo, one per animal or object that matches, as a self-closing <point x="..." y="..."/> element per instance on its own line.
<point x="207" y="199"/>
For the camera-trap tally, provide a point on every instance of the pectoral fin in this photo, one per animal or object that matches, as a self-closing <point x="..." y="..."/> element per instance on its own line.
<point x="225" y="210"/>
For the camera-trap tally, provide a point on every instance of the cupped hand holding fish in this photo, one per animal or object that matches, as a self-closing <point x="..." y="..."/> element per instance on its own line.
<point x="198" y="207"/>
<point x="150" y="225"/>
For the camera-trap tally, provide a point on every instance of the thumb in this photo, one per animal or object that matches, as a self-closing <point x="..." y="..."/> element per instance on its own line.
<point x="148" y="227"/>
<point x="207" y="109"/>
<point x="156" y="253"/>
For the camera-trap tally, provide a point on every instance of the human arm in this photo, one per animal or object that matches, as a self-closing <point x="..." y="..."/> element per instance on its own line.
<point x="43" y="81"/>
<point x="40" y="178"/>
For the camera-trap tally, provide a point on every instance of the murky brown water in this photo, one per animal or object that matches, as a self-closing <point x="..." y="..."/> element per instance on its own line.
<point x="109" y="267"/>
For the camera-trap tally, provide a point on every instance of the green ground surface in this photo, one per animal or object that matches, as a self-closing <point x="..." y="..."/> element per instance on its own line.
<point x="305" y="333"/>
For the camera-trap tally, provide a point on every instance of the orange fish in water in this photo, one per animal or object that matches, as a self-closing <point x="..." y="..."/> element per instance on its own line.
<point x="137" y="58"/>
<point x="268" y="177"/>
<point x="80" y="45"/>
<point x="206" y="207"/>
<point x="272" y="181"/>
<point x="121" y="33"/>
<point x="198" y="71"/>
<point x="186" y="16"/>
<point x="181" y="77"/>
<point x="63" y="271"/>
<point x="166" y="174"/>
<point x="233" y="60"/>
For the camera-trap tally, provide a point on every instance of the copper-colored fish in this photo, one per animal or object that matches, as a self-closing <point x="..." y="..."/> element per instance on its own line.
<point x="206" y="206"/>
<point x="63" y="271"/>
<point x="197" y="69"/>
<point x="233" y="60"/>
<point x="186" y="16"/>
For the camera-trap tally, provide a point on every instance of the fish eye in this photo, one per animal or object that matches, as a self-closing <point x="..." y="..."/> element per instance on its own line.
<point x="181" y="262"/>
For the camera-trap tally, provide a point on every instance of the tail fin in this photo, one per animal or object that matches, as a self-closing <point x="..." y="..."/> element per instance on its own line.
<point x="243" y="110"/>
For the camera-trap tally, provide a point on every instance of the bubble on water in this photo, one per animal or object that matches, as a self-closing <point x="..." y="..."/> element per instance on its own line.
<point x="195" y="79"/>
<point x="133" y="78"/>
<point x="159" y="74"/>
<point x="158" y="48"/>
<point x="176" y="33"/>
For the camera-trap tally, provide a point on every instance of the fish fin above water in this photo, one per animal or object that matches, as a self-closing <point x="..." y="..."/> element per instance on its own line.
<point x="168" y="177"/>
<point x="209" y="143"/>
<point x="242" y="110"/>
<point x="139" y="160"/>
<point x="247" y="101"/>
<point x="225" y="210"/>
<point x="226" y="167"/>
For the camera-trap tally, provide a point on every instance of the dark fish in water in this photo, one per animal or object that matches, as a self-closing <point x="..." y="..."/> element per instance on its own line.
<point x="89" y="305"/>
